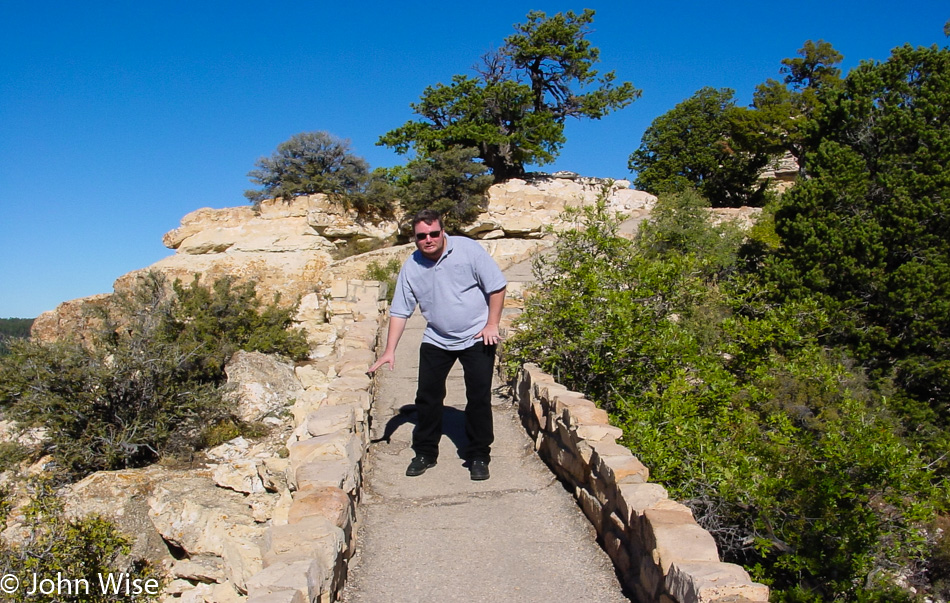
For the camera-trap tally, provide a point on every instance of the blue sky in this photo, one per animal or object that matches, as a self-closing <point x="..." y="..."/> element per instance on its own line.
<point x="118" y="117"/>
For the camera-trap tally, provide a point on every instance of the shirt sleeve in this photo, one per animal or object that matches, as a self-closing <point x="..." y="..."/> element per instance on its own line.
<point x="489" y="275"/>
<point x="404" y="301"/>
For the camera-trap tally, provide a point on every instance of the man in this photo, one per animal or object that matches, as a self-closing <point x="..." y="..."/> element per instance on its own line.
<point x="461" y="292"/>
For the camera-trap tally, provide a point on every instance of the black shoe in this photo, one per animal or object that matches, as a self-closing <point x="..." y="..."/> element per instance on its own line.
<point x="419" y="465"/>
<point x="478" y="470"/>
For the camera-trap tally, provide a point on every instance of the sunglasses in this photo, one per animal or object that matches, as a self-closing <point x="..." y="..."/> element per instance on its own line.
<point x="421" y="236"/>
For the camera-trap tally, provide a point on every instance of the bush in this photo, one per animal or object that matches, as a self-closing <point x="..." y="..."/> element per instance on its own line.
<point x="13" y="328"/>
<point x="80" y="551"/>
<point x="449" y="181"/>
<point x="152" y="382"/>
<point x="386" y="274"/>
<point x="318" y="162"/>
<point x="784" y="451"/>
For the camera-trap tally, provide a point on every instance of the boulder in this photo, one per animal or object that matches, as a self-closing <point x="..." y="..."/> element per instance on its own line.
<point x="122" y="497"/>
<point x="260" y="385"/>
<point x="196" y="516"/>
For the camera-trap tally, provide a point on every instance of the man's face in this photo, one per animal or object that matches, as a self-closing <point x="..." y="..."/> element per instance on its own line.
<point x="430" y="239"/>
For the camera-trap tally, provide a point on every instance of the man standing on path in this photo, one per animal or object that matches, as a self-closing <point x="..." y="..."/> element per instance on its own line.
<point x="461" y="292"/>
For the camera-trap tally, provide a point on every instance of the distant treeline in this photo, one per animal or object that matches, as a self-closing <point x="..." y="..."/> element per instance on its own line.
<point x="13" y="327"/>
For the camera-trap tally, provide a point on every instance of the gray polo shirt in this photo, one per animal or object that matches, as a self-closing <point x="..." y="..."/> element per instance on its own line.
<point x="451" y="292"/>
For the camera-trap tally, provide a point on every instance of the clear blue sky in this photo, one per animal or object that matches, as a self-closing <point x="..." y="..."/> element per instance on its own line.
<point x="118" y="117"/>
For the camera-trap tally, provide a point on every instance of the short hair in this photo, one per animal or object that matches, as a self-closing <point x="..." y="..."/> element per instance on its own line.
<point x="428" y="216"/>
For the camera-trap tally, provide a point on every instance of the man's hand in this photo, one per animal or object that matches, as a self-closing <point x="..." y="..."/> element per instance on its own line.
<point x="396" y="327"/>
<point x="387" y="358"/>
<point x="489" y="335"/>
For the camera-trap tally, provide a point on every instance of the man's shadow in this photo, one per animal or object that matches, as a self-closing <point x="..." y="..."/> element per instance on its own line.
<point x="453" y="426"/>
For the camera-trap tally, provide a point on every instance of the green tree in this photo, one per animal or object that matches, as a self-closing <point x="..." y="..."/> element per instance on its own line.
<point x="318" y="162"/>
<point x="780" y="110"/>
<point x="692" y="145"/>
<point x="514" y="111"/>
<point x="867" y="230"/>
<point x="448" y="181"/>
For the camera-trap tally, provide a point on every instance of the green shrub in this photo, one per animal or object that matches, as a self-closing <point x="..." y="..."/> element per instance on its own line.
<point x="386" y="274"/>
<point x="786" y="453"/>
<point x="80" y="551"/>
<point x="229" y="428"/>
<point x="12" y="454"/>
<point x="13" y="328"/>
<point x="318" y="162"/>
<point x="357" y="246"/>
<point x="152" y="382"/>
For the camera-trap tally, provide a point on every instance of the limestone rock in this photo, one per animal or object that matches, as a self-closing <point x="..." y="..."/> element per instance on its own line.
<point x="311" y="375"/>
<point x="675" y="538"/>
<point x="197" y="516"/>
<point x="201" y="219"/>
<point x="74" y="317"/>
<point x="743" y="217"/>
<point x="121" y="497"/>
<point x="239" y="475"/>
<point x="260" y="385"/>
<point x="707" y="582"/>
<point x="304" y="578"/>
<point x="291" y="274"/>
<point x="329" y="502"/>
<point x="200" y="568"/>
<point x="523" y="208"/>
<point x="330" y="419"/>
<point x="314" y="537"/>
<point x="337" y="445"/>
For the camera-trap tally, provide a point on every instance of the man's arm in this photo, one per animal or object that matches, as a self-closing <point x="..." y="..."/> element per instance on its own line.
<point x="496" y="303"/>
<point x="396" y="327"/>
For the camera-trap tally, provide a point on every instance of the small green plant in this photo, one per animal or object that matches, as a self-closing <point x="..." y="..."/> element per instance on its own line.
<point x="229" y="428"/>
<point x="82" y="560"/>
<point x="384" y="273"/>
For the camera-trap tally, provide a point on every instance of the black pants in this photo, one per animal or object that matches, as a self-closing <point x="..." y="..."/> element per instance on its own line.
<point x="435" y="363"/>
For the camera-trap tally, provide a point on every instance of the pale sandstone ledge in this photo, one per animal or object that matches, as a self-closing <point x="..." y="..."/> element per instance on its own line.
<point x="285" y="248"/>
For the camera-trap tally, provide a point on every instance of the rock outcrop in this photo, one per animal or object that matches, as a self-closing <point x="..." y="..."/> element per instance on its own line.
<point x="525" y="208"/>
<point x="286" y="248"/>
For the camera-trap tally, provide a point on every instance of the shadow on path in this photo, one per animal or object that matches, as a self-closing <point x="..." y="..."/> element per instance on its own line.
<point x="453" y="426"/>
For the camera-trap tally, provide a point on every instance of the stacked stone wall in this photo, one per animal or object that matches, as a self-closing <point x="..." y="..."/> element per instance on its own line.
<point x="661" y="554"/>
<point x="306" y="550"/>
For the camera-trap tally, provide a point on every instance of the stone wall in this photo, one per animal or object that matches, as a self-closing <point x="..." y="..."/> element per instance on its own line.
<point x="661" y="554"/>
<point x="305" y="551"/>
<point x="273" y="520"/>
